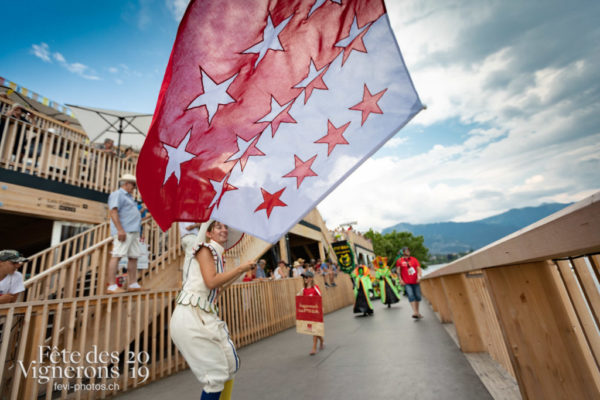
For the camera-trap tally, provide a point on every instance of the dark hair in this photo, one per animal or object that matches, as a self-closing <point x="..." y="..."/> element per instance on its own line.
<point x="211" y="226"/>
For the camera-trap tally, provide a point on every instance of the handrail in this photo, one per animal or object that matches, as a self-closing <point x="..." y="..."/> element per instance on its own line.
<point x="44" y="259"/>
<point x="132" y="324"/>
<point x="532" y="302"/>
<point x="573" y="231"/>
<point x="66" y="262"/>
<point x="84" y="274"/>
<point x="43" y="120"/>
<point x="56" y="155"/>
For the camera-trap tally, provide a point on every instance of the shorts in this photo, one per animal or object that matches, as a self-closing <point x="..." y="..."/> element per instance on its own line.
<point x="413" y="291"/>
<point x="203" y="340"/>
<point x="130" y="248"/>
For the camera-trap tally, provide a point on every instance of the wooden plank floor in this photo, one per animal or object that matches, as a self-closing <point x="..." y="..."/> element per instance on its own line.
<point x="500" y="384"/>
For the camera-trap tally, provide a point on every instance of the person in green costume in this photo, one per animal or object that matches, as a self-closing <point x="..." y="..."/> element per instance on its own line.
<point x="362" y="287"/>
<point x="387" y="286"/>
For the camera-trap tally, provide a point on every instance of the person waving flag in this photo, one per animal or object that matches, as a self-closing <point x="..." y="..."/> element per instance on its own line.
<point x="266" y="106"/>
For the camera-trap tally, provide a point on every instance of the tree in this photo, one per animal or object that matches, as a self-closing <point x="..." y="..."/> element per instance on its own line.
<point x="390" y="244"/>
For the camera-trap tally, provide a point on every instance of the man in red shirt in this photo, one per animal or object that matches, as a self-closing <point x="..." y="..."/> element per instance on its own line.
<point x="409" y="271"/>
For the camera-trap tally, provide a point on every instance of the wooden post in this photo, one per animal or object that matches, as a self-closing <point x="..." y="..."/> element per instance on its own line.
<point x="437" y="289"/>
<point x="546" y="354"/>
<point x="464" y="318"/>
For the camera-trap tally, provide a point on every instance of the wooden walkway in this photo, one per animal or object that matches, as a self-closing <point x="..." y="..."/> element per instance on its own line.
<point x="387" y="356"/>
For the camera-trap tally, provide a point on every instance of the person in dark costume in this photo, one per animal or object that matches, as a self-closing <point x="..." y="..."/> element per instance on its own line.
<point x="362" y="287"/>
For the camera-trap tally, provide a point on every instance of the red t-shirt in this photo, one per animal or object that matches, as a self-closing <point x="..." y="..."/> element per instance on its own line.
<point x="408" y="269"/>
<point x="249" y="278"/>
<point x="311" y="291"/>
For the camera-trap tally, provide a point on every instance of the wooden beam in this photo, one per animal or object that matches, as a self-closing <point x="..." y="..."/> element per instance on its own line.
<point x="463" y="316"/>
<point x="437" y="289"/>
<point x="546" y="354"/>
<point x="24" y="200"/>
<point x="570" y="232"/>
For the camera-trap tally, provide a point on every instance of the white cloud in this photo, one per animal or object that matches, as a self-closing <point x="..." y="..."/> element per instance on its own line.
<point x="41" y="51"/>
<point x="511" y="70"/>
<point x="177" y="8"/>
<point x="396" y="142"/>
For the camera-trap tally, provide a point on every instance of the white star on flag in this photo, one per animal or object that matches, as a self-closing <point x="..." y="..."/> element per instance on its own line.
<point x="220" y="187"/>
<point x="213" y="96"/>
<point x="270" y="39"/>
<point x="319" y="3"/>
<point x="287" y="165"/>
<point x="177" y="156"/>
<point x="354" y="32"/>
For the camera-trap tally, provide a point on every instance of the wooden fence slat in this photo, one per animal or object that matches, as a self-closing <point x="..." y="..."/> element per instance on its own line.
<point x="578" y="300"/>
<point x="589" y="287"/>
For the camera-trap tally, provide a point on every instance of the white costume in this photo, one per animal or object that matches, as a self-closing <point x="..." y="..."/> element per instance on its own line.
<point x="196" y="329"/>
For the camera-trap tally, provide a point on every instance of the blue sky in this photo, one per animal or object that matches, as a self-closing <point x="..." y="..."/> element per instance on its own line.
<point x="512" y="90"/>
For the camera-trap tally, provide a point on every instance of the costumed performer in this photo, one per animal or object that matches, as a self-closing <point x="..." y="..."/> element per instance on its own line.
<point x="362" y="287"/>
<point x="387" y="289"/>
<point x="196" y="329"/>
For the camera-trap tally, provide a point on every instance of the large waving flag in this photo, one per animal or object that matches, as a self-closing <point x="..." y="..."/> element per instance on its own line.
<point x="267" y="106"/>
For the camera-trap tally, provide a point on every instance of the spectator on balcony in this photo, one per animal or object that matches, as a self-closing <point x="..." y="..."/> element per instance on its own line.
<point x="281" y="271"/>
<point x="410" y="276"/>
<point x="108" y="147"/>
<point x="260" y="269"/>
<point x="128" y="155"/>
<point x="298" y="268"/>
<point x="125" y="224"/>
<point x="11" y="280"/>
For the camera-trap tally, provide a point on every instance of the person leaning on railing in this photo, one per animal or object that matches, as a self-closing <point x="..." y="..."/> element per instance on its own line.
<point x="11" y="280"/>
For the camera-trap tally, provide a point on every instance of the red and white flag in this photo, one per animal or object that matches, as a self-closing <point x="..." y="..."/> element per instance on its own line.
<point x="267" y="106"/>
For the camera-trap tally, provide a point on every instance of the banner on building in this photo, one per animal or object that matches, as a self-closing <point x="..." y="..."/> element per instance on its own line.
<point x="309" y="315"/>
<point x="344" y="255"/>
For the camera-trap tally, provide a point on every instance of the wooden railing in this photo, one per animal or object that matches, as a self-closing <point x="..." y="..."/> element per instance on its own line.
<point x="532" y="302"/>
<point x="121" y="342"/>
<point x="84" y="273"/>
<point x="66" y="249"/>
<point x="60" y="155"/>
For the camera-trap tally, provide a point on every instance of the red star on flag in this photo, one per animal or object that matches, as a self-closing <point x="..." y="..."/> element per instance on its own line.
<point x="301" y="170"/>
<point x="368" y="104"/>
<point x="270" y="201"/>
<point x="334" y="136"/>
<point x="257" y="89"/>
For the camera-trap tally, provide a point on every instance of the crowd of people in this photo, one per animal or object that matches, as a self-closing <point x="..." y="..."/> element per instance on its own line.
<point x="283" y="270"/>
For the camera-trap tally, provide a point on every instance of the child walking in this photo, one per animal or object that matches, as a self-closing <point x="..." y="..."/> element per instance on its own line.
<point x="311" y="289"/>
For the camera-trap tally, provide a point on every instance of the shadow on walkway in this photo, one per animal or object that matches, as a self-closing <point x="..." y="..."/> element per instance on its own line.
<point x="386" y="356"/>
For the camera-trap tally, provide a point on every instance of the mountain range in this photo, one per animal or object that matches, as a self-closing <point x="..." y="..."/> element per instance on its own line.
<point x="459" y="237"/>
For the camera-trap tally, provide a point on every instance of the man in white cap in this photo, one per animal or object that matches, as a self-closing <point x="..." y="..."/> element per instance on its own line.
<point x="125" y="224"/>
<point x="11" y="280"/>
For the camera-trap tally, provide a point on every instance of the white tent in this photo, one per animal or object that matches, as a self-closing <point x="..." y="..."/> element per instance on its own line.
<point x="125" y="128"/>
